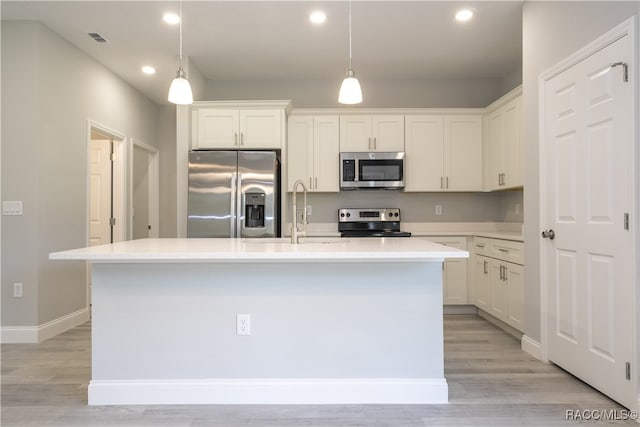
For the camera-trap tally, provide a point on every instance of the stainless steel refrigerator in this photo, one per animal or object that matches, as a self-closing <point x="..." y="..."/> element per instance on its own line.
<point x="233" y="194"/>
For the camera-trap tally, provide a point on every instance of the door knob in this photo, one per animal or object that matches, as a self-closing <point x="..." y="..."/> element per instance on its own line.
<point x="549" y="234"/>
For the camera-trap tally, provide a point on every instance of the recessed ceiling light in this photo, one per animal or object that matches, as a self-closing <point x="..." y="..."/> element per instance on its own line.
<point x="317" y="17"/>
<point x="148" y="69"/>
<point x="171" y="18"/>
<point x="464" y="15"/>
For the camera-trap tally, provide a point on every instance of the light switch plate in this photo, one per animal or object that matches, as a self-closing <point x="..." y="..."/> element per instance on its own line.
<point x="12" y="207"/>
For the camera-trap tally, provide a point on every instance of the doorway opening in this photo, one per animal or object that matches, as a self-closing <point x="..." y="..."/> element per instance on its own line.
<point x="106" y="221"/>
<point x="145" y="191"/>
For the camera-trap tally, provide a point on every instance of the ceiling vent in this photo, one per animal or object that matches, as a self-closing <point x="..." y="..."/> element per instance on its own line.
<point x="98" y="38"/>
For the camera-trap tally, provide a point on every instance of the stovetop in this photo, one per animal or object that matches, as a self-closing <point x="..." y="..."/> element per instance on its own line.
<point x="374" y="222"/>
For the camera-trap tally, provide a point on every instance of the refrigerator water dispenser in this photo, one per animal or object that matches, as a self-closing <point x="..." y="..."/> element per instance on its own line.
<point x="254" y="210"/>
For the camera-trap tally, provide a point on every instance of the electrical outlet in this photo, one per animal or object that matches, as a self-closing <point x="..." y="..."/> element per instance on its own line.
<point x="517" y="208"/>
<point x="243" y="324"/>
<point x="438" y="209"/>
<point x="12" y="207"/>
<point x="17" y="290"/>
<point x="309" y="210"/>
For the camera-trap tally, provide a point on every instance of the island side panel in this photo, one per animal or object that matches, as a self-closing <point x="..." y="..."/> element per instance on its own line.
<point x="174" y="324"/>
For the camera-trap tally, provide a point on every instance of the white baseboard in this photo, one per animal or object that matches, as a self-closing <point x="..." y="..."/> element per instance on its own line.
<point x="269" y="391"/>
<point x="459" y="309"/>
<point x="36" y="334"/>
<point x="19" y="334"/>
<point x="532" y="347"/>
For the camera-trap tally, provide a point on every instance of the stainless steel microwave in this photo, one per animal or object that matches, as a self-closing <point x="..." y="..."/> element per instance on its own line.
<point x="371" y="170"/>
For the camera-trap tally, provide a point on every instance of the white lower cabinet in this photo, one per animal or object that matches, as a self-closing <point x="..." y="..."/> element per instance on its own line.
<point x="481" y="281"/>
<point x="498" y="283"/>
<point x="454" y="274"/>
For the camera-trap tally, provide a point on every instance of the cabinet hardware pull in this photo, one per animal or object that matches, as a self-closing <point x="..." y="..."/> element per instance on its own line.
<point x="447" y="182"/>
<point x="441" y="183"/>
<point x="503" y="250"/>
<point x="315" y="187"/>
<point x="486" y="267"/>
<point x="375" y="143"/>
<point x="309" y="182"/>
<point x="241" y="138"/>
<point x="235" y="138"/>
<point x="369" y="143"/>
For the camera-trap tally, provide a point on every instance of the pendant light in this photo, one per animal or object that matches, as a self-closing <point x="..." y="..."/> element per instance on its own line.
<point x="350" y="92"/>
<point x="180" y="89"/>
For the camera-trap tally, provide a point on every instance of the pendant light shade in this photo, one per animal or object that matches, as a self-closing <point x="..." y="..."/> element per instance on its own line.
<point x="180" y="89"/>
<point x="350" y="91"/>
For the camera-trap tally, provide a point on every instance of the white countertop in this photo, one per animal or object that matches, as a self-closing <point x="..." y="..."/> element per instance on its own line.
<point x="317" y="249"/>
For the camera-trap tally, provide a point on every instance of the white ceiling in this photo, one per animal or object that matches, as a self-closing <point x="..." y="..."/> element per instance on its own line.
<point x="274" y="40"/>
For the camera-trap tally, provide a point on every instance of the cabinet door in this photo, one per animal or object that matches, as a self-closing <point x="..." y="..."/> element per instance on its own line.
<point x="260" y="129"/>
<point x="499" y="300"/>
<point x="424" y="150"/>
<point x="512" y="144"/>
<point x="454" y="279"/>
<point x="387" y="133"/>
<point x="300" y="150"/>
<point x="217" y="128"/>
<point x="481" y="282"/>
<point x="326" y="152"/>
<point x="515" y="284"/>
<point x="496" y="149"/>
<point x="355" y="133"/>
<point x="463" y="153"/>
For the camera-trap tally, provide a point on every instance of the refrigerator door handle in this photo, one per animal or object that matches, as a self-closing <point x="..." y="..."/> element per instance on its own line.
<point x="240" y="207"/>
<point x="232" y="207"/>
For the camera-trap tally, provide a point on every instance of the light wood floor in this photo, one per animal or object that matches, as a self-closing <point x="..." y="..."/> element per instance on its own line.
<point x="491" y="383"/>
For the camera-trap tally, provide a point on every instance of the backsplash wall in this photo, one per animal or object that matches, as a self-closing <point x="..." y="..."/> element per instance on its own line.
<point x="420" y="207"/>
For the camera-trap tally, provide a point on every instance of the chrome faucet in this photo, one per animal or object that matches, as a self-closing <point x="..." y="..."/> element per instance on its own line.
<point x="295" y="232"/>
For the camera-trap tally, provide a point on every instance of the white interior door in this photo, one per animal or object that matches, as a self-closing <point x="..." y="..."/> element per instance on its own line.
<point x="587" y="169"/>
<point x="100" y="192"/>
<point x="141" y="223"/>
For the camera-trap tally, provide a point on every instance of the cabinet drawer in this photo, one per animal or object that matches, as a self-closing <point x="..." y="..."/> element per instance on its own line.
<point x="508" y="250"/>
<point x="482" y="246"/>
<point x="458" y="242"/>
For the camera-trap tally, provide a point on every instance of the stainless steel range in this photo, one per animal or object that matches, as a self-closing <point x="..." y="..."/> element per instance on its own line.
<point x="370" y="223"/>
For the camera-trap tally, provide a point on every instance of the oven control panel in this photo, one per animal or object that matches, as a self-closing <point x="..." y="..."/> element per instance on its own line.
<point x="368" y="215"/>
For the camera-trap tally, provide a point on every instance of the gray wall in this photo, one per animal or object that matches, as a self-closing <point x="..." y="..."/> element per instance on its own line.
<point x="470" y="93"/>
<point x="420" y="207"/>
<point x="50" y="90"/>
<point x="167" y="142"/>
<point x="551" y="32"/>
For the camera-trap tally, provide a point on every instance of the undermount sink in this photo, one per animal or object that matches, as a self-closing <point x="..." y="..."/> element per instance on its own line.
<point x="287" y="240"/>
<point x="324" y="240"/>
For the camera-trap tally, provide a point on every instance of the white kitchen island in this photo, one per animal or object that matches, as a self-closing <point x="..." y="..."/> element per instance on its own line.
<point x="331" y="321"/>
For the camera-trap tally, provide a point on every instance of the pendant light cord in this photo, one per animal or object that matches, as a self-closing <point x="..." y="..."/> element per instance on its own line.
<point x="350" y="34"/>
<point x="181" y="34"/>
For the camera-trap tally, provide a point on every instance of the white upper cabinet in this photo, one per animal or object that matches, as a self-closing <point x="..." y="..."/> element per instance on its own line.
<point x="443" y="153"/>
<point x="313" y="149"/>
<point x="424" y="151"/>
<point x="463" y="153"/>
<point x="215" y="127"/>
<point x="504" y="143"/>
<point x="260" y="129"/>
<point x="372" y="133"/>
